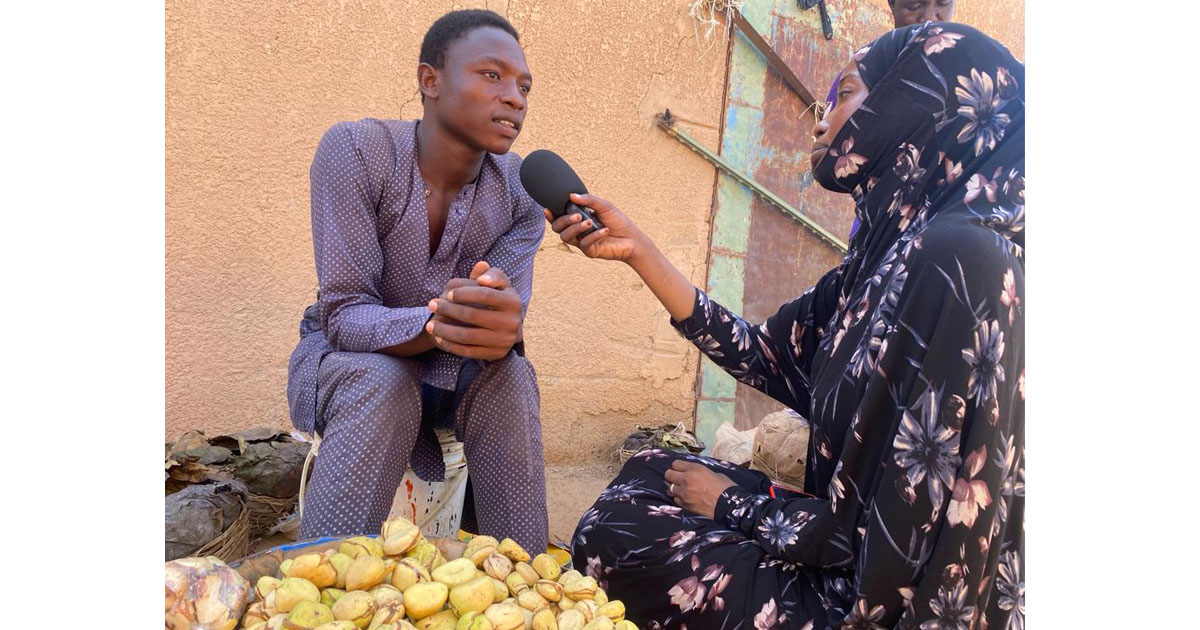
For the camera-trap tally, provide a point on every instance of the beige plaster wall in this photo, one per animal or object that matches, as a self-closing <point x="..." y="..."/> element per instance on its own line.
<point x="251" y="86"/>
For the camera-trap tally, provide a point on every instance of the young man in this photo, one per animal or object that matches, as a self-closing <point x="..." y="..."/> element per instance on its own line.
<point x="424" y="242"/>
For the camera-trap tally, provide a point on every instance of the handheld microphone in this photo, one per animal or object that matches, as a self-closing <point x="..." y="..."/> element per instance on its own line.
<point x="550" y="181"/>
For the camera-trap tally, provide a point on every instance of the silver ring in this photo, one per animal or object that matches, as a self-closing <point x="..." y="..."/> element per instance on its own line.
<point x="671" y="489"/>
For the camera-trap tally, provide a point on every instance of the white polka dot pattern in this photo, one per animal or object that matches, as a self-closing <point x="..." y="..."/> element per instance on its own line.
<point x="375" y="275"/>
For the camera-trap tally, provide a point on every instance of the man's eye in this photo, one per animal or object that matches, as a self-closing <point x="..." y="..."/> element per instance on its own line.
<point x="525" y="89"/>
<point x="492" y="74"/>
<point x="843" y="94"/>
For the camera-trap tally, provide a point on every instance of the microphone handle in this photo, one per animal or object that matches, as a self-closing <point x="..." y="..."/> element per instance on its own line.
<point x="587" y="213"/>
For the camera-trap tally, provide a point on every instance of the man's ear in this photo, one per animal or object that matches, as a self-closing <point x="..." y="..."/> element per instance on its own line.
<point x="428" y="80"/>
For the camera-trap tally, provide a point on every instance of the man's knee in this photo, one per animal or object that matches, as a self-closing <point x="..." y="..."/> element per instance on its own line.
<point x="377" y="387"/>
<point x="372" y="372"/>
<point x="513" y="373"/>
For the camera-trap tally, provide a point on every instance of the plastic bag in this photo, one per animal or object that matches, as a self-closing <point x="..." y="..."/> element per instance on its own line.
<point x="204" y="594"/>
<point x="732" y="445"/>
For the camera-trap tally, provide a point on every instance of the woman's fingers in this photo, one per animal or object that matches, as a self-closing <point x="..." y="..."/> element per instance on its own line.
<point x="673" y="476"/>
<point x="565" y="221"/>
<point x="571" y="234"/>
<point x="593" y="238"/>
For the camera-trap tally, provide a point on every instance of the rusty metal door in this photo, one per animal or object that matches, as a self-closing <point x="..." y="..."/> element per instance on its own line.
<point x="759" y="257"/>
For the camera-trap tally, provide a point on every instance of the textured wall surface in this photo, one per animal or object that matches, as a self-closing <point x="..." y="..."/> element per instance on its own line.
<point x="251" y="86"/>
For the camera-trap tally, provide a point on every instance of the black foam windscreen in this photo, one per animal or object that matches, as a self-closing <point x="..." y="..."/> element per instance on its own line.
<point x="550" y="180"/>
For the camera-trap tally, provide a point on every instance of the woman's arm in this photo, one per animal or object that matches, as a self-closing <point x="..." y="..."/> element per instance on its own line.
<point x="771" y="357"/>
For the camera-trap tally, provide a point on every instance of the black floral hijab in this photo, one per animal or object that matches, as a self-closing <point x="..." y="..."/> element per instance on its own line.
<point x="942" y="131"/>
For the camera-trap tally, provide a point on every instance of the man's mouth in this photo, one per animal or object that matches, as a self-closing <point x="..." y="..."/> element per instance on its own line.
<point x="511" y="124"/>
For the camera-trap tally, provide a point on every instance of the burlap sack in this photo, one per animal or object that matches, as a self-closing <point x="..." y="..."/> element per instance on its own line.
<point x="781" y="448"/>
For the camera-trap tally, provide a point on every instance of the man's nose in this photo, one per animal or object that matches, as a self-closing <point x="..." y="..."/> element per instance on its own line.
<point x="513" y="97"/>
<point x="933" y="14"/>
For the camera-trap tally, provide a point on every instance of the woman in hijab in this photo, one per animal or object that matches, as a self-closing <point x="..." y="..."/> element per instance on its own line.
<point x="908" y="360"/>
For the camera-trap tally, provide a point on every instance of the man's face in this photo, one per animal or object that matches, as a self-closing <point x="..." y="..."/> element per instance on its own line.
<point x="483" y="89"/>
<point x="909" y="12"/>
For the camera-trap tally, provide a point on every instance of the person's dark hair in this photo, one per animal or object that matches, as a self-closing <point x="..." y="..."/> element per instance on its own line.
<point x="455" y="24"/>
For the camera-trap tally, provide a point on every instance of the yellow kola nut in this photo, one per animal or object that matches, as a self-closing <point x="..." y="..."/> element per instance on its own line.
<point x="444" y="620"/>
<point x="478" y="543"/>
<point x="614" y="610"/>
<point x="515" y="552"/>
<point x="337" y="625"/>
<point x="455" y="572"/>
<point x="292" y="591"/>
<point x="366" y="572"/>
<point x="315" y="568"/>
<point x="404" y="576"/>
<point x="473" y="596"/>
<point x="425" y="553"/>
<point x="550" y="590"/>
<point x="276" y="622"/>
<point x="399" y="535"/>
<point x="255" y="613"/>
<point x="601" y="598"/>
<point x="505" y="616"/>
<point x="340" y="562"/>
<point x="583" y="588"/>
<point x="531" y="601"/>
<point x="501" y="590"/>
<point x="329" y="596"/>
<point x="546" y="566"/>
<point x="600" y="623"/>
<point x="361" y="545"/>
<point x="425" y="598"/>
<point x="515" y="583"/>
<point x="473" y="621"/>
<point x="571" y="620"/>
<point x="588" y="608"/>
<point x="544" y="620"/>
<point x="527" y="573"/>
<point x="308" y="615"/>
<point x="626" y="624"/>
<point x="567" y="576"/>
<point x="265" y="585"/>
<point x="386" y="593"/>
<point x="356" y="606"/>
<point x="390" y="613"/>
<point x="498" y="566"/>
<point x="480" y="555"/>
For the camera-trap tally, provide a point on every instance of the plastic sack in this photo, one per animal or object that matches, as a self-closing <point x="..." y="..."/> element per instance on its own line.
<point x="204" y="594"/>
<point x="732" y="445"/>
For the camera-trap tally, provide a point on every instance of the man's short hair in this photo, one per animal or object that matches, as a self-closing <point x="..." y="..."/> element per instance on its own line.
<point x="454" y="25"/>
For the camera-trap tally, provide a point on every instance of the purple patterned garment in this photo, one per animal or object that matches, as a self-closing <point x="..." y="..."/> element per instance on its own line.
<point x="374" y="269"/>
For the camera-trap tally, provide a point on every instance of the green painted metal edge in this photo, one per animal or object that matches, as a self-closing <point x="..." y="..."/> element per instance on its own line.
<point x="667" y="123"/>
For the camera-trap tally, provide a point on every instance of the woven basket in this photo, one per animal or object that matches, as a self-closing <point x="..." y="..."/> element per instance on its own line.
<point x="266" y="511"/>
<point x="233" y="543"/>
